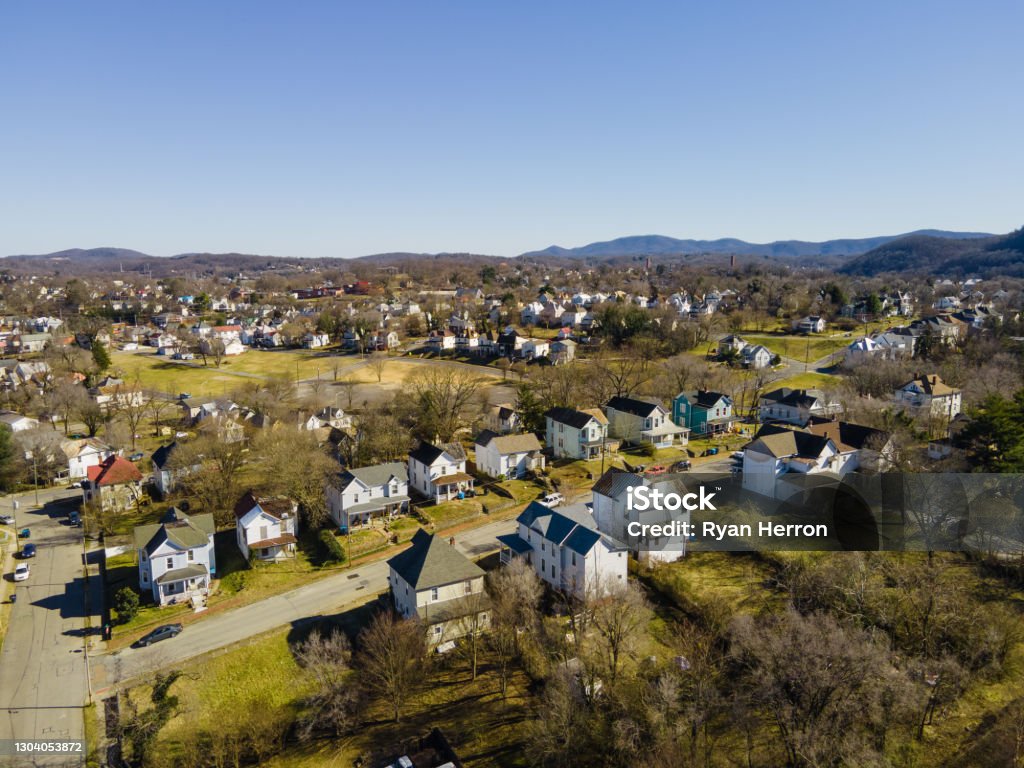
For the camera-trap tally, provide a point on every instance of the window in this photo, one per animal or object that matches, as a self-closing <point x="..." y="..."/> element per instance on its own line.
<point x="437" y="630"/>
<point x="469" y="587"/>
<point x="434" y="594"/>
<point x="191" y="555"/>
<point x="170" y="562"/>
<point x="574" y="558"/>
<point x="552" y="570"/>
<point x="264" y="532"/>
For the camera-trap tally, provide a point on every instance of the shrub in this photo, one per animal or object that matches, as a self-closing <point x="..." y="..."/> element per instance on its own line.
<point x="126" y="603"/>
<point x="333" y="551"/>
<point x="648" y="450"/>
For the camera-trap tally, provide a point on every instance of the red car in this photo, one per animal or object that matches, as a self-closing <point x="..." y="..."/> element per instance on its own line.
<point x="657" y="469"/>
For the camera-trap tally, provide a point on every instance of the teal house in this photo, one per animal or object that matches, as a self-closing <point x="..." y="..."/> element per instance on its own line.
<point x="703" y="412"/>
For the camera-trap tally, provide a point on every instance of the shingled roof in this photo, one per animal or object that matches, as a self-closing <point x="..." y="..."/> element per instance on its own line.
<point x="183" y="531"/>
<point x="114" y="470"/>
<point x="432" y="562"/>
<point x="509" y="443"/>
<point x="374" y="475"/>
<point x="633" y="406"/>
<point x="574" y="418"/>
<point x="427" y="453"/>
<point x="275" y="506"/>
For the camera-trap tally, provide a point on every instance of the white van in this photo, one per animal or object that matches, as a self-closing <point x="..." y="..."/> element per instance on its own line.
<point x="552" y="500"/>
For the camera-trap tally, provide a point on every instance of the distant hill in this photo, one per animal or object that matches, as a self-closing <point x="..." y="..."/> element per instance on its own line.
<point x="984" y="257"/>
<point x="659" y="245"/>
<point x="88" y="253"/>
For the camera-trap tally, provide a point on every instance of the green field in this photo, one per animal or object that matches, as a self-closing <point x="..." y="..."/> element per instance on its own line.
<point x="809" y="348"/>
<point x="159" y="372"/>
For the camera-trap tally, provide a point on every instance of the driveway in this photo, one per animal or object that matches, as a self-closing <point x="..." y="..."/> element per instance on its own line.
<point x="43" y="681"/>
<point x="325" y="596"/>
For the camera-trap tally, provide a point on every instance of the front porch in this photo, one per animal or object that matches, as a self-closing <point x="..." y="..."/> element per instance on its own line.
<point x="386" y="507"/>
<point x="452" y="486"/>
<point x="182" y="584"/>
<point x="512" y="546"/>
<point x="279" y="548"/>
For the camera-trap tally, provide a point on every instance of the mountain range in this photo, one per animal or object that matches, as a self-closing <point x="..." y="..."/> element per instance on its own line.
<point x="659" y="245"/>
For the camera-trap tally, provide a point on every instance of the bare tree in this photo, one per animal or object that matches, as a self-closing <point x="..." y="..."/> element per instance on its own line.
<point x="442" y="396"/>
<point x="620" y="620"/>
<point x="515" y="599"/>
<point x="334" y="703"/>
<point x="377" y="362"/>
<point x="393" y="659"/>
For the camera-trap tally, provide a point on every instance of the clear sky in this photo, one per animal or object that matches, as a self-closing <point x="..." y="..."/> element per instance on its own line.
<point x="314" y="128"/>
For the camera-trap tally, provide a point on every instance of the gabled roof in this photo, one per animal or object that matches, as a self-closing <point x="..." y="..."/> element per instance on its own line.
<point x="432" y="562"/>
<point x="427" y="453"/>
<point x="114" y="470"/>
<point x="633" y="406"/>
<point x="506" y="444"/>
<point x="848" y="436"/>
<point x="574" y="418"/>
<point x="181" y="530"/>
<point x="931" y="385"/>
<point x="800" y="398"/>
<point x="615" y="481"/>
<point x="782" y="443"/>
<point x="374" y="475"/>
<point x="703" y="398"/>
<point x="162" y="455"/>
<point x="572" y="526"/>
<point x="275" y="506"/>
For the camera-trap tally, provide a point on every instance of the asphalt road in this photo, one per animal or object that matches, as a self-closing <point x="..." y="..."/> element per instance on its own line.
<point x="43" y="680"/>
<point x="325" y="596"/>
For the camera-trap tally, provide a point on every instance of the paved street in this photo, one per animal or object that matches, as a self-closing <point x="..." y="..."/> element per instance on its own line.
<point x="43" y="681"/>
<point x="321" y="597"/>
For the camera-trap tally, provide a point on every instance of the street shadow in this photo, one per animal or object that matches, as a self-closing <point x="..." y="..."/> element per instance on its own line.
<point x="349" y="622"/>
<point x="84" y="632"/>
<point x="52" y="509"/>
<point x="70" y="604"/>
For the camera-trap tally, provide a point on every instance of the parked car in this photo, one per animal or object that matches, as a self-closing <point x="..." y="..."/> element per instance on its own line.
<point x="75" y="519"/>
<point x="21" y="572"/>
<point x="184" y="396"/>
<point x="682" y="466"/>
<point x="137" y="456"/>
<point x="6" y="520"/>
<point x="24" y="533"/>
<point x="552" y="500"/>
<point x="29" y="550"/>
<point x="736" y="455"/>
<point x="158" y="634"/>
<point x="657" y="469"/>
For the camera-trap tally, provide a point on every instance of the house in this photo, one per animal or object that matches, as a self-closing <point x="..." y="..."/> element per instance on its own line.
<point x="795" y="406"/>
<point x="730" y="346"/>
<point x="929" y="395"/>
<point x="563" y="350"/>
<point x="176" y="557"/>
<point x="33" y="342"/>
<point x="439" y="472"/>
<point x="510" y="343"/>
<point x="16" y="422"/>
<point x="534" y="349"/>
<point x="168" y="472"/>
<point x="703" y="412"/>
<point x="120" y="395"/>
<point x="356" y="496"/>
<point x="864" y="448"/>
<point x="567" y="550"/>
<point x="114" y="484"/>
<point x="382" y="341"/>
<point x="809" y="324"/>
<point x="613" y="514"/>
<point x="508" y="456"/>
<point x="439" y="341"/>
<point x="327" y="417"/>
<point x="85" y="453"/>
<point x="572" y="434"/>
<point x="638" y="422"/>
<point x="502" y="418"/>
<point x="435" y="583"/>
<point x="757" y="356"/>
<point x="266" y="527"/>
<point x="779" y="452"/>
<point x="315" y="340"/>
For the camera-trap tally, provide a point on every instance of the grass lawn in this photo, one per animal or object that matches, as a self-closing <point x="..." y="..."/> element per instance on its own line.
<point x="158" y="372"/>
<point x="800" y="348"/>
<point x="809" y="380"/>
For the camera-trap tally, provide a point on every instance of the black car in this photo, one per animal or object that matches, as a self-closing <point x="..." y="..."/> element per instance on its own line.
<point x="29" y="550"/>
<point x="158" y="634"/>
<point x="681" y="466"/>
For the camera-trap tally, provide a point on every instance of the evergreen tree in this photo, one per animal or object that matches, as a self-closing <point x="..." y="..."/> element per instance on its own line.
<point x="995" y="435"/>
<point x="8" y="467"/>
<point x="100" y="356"/>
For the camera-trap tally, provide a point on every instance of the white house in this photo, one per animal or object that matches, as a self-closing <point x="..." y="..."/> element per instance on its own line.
<point x="266" y="527"/>
<point x="508" y="456"/>
<point x="502" y="418"/>
<point x="315" y="340"/>
<point x="572" y="434"/>
<point x="929" y="395"/>
<point x="779" y="452"/>
<point x="355" y="496"/>
<point x="176" y="557"/>
<point x="440" y="340"/>
<point x="638" y="421"/>
<point x="439" y="472"/>
<point x="757" y="356"/>
<point x="567" y="550"/>
<point x="535" y="349"/>
<point x="85" y="453"/>
<point x="435" y="583"/>
<point x="16" y="422"/>
<point x="166" y="472"/>
<point x="327" y="417"/>
<point x="795" y="406"/>
<point x="613" y="515"/>
<point x="809" y="324"/>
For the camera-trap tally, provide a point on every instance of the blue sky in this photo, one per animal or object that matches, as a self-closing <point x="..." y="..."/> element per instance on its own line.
<point x="341" y="129"/>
